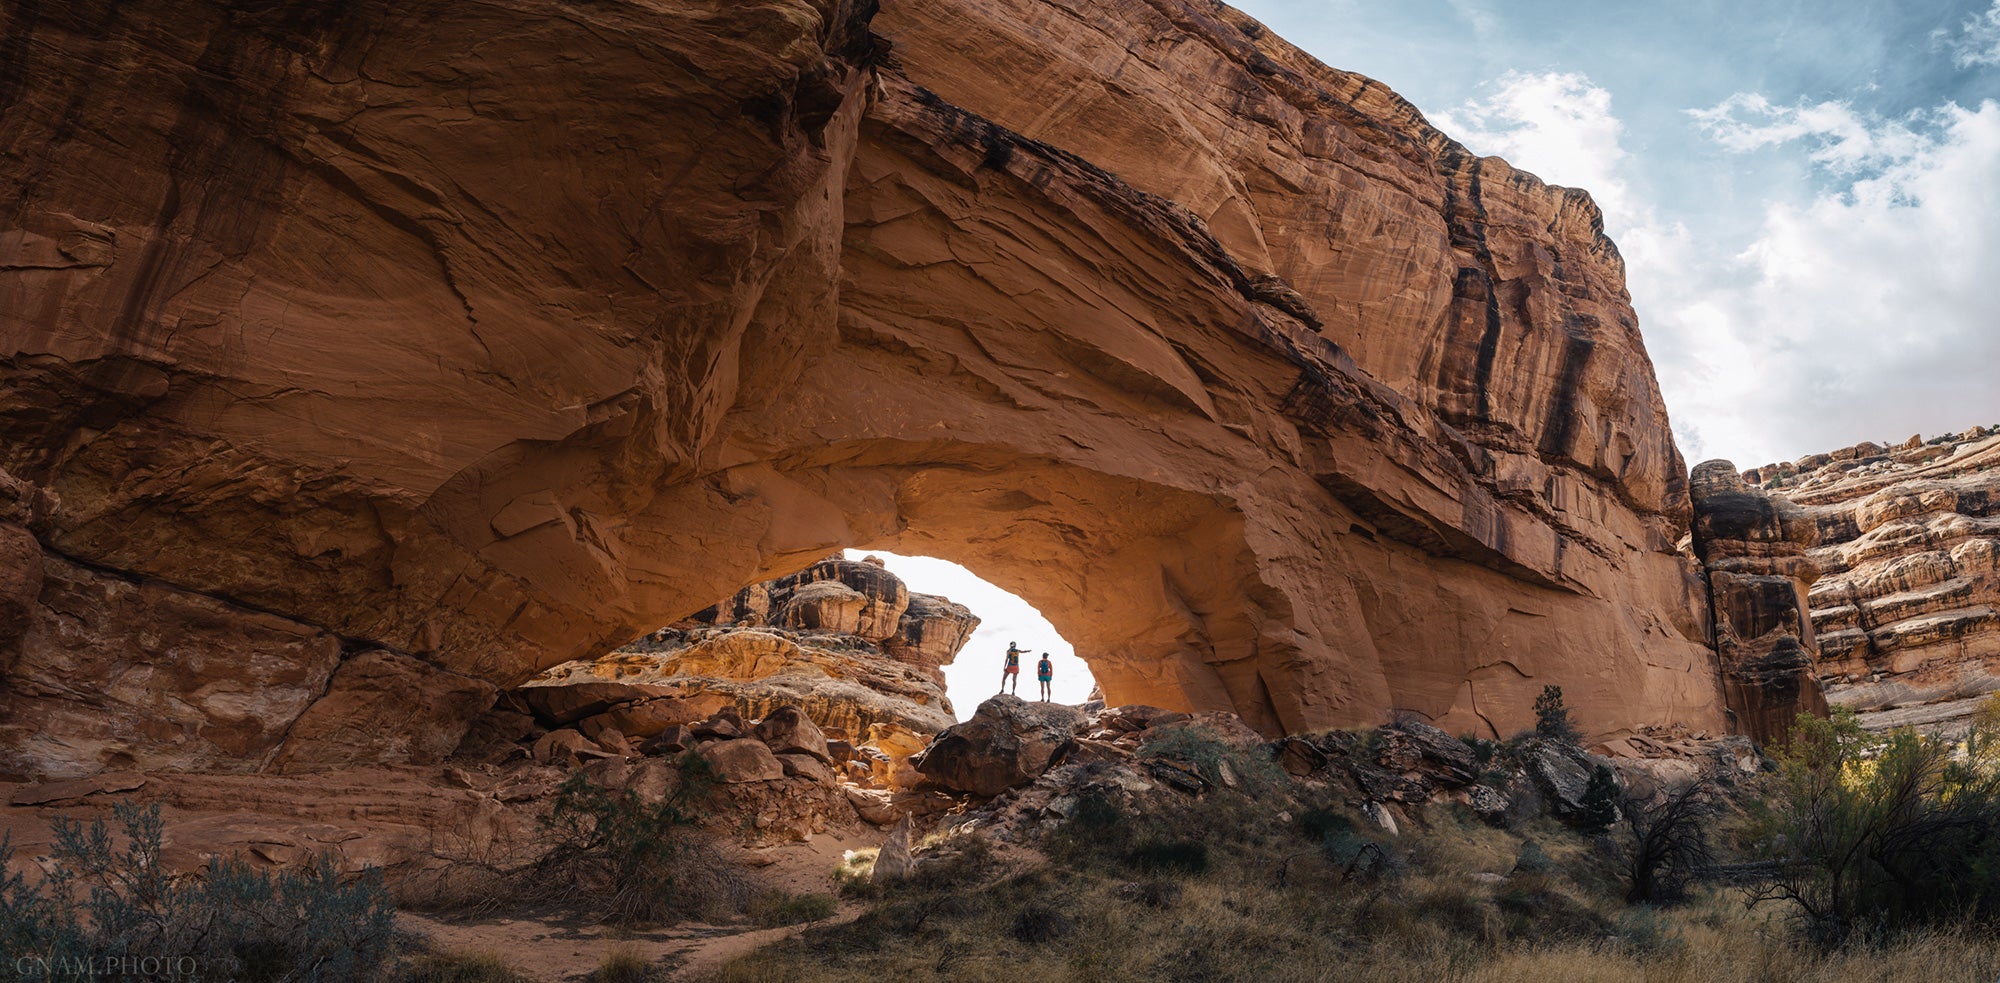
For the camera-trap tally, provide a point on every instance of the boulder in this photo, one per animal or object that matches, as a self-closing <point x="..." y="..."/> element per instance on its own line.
<point x="1415" y="746"/>
<point x="807" y="766"/>
<point x="1138" y="717"/>
<point x="1007" y="743"/>
<point x="873" y="805"/>
<point x="673" y="740"/>
<point x="385" y="708"/>
<point x="726" y="724"/>
<point x="894" y="861"/>
<point x="654" y="716"/>
<point x="1561" y="773"/>
<point x="562" y="746"/>
<point x="788" y="729"/>
<point x="742" y="760"/>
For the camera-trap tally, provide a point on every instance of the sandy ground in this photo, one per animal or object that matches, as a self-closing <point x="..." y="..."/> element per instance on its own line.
<point x="552" y="951"/>
<point x="544" y="950"/>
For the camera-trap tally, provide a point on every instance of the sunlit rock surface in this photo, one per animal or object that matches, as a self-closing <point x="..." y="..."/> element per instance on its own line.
<point x="1909" y="542"/>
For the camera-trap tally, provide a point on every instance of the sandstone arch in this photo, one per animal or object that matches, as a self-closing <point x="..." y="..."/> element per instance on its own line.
<point x="321" y="353"/>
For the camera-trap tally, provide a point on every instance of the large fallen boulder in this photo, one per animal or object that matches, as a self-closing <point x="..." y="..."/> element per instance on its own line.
<point x="1008" y="742"/>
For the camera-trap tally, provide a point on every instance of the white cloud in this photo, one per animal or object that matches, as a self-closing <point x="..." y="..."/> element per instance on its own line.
<point x="1865" y="314"/>
<point x="1862" y="314"/>
<point x="1842" y="139"/>
<point x="1976" y="42"/>
<point x="1556" y="125"/>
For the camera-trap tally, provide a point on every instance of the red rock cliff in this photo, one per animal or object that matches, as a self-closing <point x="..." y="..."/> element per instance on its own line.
<point x="480" y="338"/>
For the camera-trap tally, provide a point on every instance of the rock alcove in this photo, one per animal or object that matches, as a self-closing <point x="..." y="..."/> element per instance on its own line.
<point x="340" y="395"/>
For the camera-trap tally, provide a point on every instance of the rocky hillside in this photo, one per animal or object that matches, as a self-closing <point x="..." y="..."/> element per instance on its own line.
<point x="1907" y="547"/>
<point x="358" y="359"/>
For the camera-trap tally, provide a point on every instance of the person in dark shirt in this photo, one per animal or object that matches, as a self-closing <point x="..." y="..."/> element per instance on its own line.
<point x="1012" y="671"/>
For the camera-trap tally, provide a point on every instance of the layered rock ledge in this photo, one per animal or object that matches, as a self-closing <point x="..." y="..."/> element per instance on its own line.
<point x="1909" y="549"/>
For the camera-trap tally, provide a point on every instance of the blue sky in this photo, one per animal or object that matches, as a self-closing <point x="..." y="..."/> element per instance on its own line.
<point x="1807" y="195"/>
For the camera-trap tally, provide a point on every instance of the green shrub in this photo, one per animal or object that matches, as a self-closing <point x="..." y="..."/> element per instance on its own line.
<point x="1552" y="720"/>
<point x="1599" y="806"/>
<point x="1875" y="836"/>
<point x="99" y="904"/>
<point x="1209" y="754"/>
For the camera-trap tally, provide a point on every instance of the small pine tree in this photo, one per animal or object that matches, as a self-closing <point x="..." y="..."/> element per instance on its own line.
<point x="1599" y="807"/>
<point x="1552" y="717"/>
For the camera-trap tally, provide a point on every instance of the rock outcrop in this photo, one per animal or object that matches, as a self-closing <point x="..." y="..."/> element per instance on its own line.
<point x="838" y="596"/>
<point x="1753" y="547"/>
<point x="1909" y="542"/>
<point x="840" y="681"/>
<point x="1009" y="742"/>
<point x="491" y="339"/>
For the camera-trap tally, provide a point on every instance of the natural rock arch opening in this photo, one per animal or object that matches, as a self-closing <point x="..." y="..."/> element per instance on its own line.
<point x="1004" y="617"/>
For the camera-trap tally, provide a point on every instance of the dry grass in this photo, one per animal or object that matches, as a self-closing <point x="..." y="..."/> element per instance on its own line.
<point x="458" y="967"/>
<point x="1272" y="908"/>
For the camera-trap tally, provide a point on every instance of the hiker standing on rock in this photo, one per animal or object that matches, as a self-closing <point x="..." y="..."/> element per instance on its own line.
<point x="1045" y="671"/>
<point x="1012" y="671"/>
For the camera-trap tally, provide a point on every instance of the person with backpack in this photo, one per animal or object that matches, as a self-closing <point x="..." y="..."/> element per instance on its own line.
<point x="1012" y="670"/>
<point x="1044" y="672"/>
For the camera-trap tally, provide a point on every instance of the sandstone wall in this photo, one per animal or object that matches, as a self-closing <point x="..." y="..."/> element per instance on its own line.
<point x="1754" y="550"/>
<point x="490" y="339"/>
<point x="1909" y="539"/>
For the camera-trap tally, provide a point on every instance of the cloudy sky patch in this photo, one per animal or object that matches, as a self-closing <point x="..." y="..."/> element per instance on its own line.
<point x="1805" y="195"/>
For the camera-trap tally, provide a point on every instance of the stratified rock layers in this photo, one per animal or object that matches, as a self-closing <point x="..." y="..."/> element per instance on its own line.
<point x="1753" y="547"/>
<point x="1909" y="539"/>
<point x="490" y="339"/>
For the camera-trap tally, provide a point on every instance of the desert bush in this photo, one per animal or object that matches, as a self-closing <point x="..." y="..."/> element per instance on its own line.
<point x="1037" y="924"/>
<point x="1254" y="770"/>
<point x="1875" y="836"/>
<point x="626" y="964"/>
<point x="616" y="857"/>
<point x="1600" y="804"/>
<point x="1168" y="856"/>
<point x="457" y="967"/>
<point x="1098" y="830"/>
<point x="1662" y="844"/>
<point x="1342" y="845"/>
<point x="1552" y="720"/>
<point x="775" y="908"/>
<point x="957" y="863"/>
<point x="103" y="904"/>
